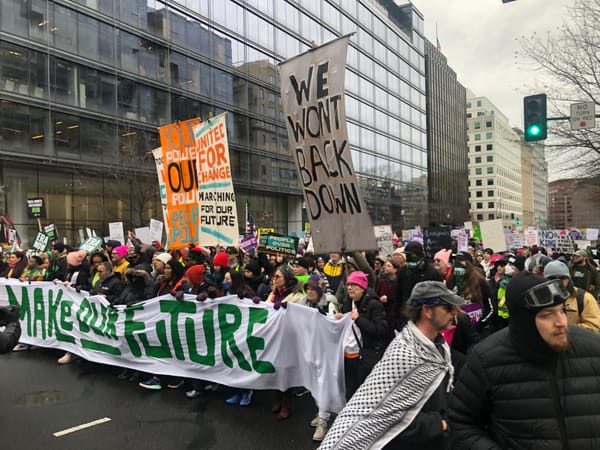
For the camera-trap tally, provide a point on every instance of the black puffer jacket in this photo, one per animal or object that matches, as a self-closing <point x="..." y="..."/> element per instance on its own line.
<point x="371" y="320"/>
<point x="111" y="287"/>
<point x="503" y="400"/>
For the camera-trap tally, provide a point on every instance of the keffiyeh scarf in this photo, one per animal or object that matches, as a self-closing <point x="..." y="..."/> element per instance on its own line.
<point x="410" y="371"/>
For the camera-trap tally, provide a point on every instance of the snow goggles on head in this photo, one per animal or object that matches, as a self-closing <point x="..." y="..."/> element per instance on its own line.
<point x="545" y="294"/>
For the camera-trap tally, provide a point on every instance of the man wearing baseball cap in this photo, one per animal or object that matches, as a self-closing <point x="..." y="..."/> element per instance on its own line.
<point x="533" y="384"/>
<point x="584" y="274"/>
<point x="402" y="403"/>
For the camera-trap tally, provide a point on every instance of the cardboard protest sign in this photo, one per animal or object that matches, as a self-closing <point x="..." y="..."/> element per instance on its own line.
<point x="312" y="94"/>
<point x="384" y="236"/>
<point x="179" y="155"/>
<point x="492" y="234"/>
<point x="162" y="187"/>
<point x="218" y="224"/>
<point x="116" y="232"/>
<point x="36" y="208"/>
<point x="156" y="230"/>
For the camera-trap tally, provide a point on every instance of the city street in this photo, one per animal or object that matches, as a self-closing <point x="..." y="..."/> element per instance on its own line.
<point x="40" y="398"/>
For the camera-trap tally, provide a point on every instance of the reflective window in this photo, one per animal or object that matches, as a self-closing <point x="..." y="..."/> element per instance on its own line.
<point x="287" y="15"/>
<point x="64" y="82"/>
<point x="133" y="12"/>
<point x="16" y="18"/>
<point x="105" y="6"/>
<point x="97" y="91"/>
<point x="22" y="128"/>
<point x="64" y="29"/>
<point x="22" y="71"/>
<point x="66" y="135"/>
<point x="98" y="140"/>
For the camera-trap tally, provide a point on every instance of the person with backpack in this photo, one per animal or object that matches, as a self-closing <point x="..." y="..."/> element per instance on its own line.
<point x="581" y="306"/>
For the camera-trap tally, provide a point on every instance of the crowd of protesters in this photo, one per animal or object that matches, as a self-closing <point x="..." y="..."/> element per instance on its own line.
<point x="373" y="289"/>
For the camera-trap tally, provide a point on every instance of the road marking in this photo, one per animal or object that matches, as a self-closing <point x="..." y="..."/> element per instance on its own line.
<point x="82" y="426"/>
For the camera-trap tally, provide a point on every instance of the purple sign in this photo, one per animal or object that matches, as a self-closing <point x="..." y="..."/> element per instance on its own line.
<point x="248" y="242"/>
<point x="474" y="310"/>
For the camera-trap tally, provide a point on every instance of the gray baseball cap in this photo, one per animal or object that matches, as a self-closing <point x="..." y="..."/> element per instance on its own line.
<point x="433" y="293"/>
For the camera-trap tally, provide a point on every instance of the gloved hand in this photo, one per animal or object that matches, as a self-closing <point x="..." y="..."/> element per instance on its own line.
<point x="256" y="299"/>
<point x="201" y="296"/>
<point x="279" y="304"/>
<point x="179" y="295"/>
<point x="212" y="292"/>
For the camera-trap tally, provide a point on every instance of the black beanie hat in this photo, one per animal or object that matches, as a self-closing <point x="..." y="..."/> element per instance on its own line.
<point x="521" y="320"/>
<point x="253" y="267"/>
<point x="414" y="247"/>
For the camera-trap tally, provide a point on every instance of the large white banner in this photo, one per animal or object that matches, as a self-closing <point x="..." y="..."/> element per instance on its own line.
<point x="312" y="94"/>
<point x="228" y="340"/>
<point x="218" y="224"/>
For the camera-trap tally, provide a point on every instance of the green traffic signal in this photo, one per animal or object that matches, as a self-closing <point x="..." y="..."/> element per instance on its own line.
<point x="535" y="118"/>
<point x="534" y="130"/>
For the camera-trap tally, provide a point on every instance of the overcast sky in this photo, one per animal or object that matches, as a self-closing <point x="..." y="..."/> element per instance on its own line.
<point x="479" y="39"/>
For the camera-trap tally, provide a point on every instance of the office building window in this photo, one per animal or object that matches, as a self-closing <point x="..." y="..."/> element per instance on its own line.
<point x="479" y="205"/>
<point x="477" y="125"/>
<point x="478" y="137"/>
<point x="478" y="182"/>
<point x="489" y="147"/>
<point x="488" y="135"/>
<point x="478" y="171"/>
<point x="477" y="159"/>
<point x="479" y="216"/>
<point x="489" y="158"/>
<point x="478" y="148"/>
<point x="488" y="124"/>
<point x="490" y="170"/>
<point x="490" y="182"/>
<point x="479" y="194"/>
<point x="490" y="204"/>
<point x="490" y="193"/>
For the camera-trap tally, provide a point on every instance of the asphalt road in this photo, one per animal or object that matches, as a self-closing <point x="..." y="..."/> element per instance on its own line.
<point x="39" y="398"/>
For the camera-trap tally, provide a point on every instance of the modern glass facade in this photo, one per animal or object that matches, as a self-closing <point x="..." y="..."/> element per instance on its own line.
<point x="84" y="85"/>
<point x="446" y="142"/>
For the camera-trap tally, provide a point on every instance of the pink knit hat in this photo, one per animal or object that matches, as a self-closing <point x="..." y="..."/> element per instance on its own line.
<point x="359" y="278"/>
<point x="121" y="250"/>
<point x="443" y="255"/>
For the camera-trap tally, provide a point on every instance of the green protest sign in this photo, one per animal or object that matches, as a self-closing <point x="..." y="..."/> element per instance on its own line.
<point x="91" y="245"/>
<point x="277" y="243"/>
<point x="41" y="242"/>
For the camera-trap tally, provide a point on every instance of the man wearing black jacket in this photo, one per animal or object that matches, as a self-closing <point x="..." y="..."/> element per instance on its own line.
<point x="9" y="318"/>
<point x="416" y="270"/>
<point x="533" y="384"/>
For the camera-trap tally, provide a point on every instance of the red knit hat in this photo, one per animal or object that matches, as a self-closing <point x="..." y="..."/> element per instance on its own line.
<point x="220" y="259"/>
<point x="195" y="274"/>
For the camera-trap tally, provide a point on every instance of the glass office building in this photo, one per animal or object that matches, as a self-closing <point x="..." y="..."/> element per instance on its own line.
<point x="84" y="85"/>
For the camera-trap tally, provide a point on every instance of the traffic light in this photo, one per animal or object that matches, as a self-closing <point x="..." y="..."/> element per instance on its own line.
<point x="534" y="115"/>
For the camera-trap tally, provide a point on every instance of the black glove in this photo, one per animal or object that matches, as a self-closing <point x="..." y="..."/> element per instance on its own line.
<point x="9" y="314"/>
<point x="256" y="299"/>
<point x="202" y="296"/>
<point x="179" y="295"/>
<point x="212" y="292"/>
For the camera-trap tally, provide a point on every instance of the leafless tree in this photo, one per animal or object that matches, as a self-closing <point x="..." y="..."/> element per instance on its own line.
<point x="568" y="61"/>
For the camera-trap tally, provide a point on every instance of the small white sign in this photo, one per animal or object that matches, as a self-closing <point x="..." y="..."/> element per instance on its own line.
<point x="583" y="115"/>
